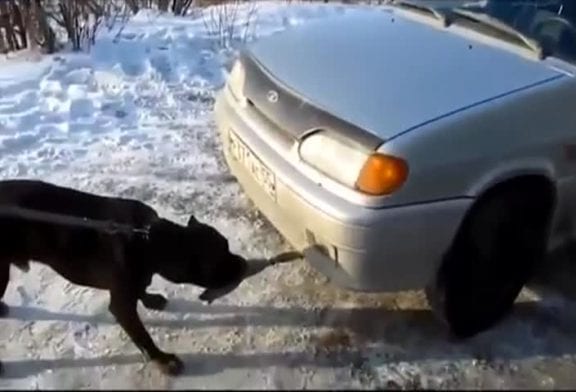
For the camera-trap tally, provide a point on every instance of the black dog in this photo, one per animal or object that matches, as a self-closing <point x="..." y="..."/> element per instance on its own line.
<point x="112" y="244"/>
<point x="42" y="196"/>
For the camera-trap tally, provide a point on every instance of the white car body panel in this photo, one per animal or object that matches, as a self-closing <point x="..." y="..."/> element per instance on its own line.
<point x="464" y="111"/>
<point x="389" y="74"/>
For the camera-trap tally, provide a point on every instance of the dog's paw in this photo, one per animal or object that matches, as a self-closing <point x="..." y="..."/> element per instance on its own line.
<point x="170" y="364"/>
<point x="207" y="301"/>
<point x="154" y="301"/>
<point x="209" y="295"/>
<point x="205" y="297"/>
<point x="3" y="309"/>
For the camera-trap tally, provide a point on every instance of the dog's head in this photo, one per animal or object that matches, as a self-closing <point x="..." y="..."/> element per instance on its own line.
<point x="204" y="258"/>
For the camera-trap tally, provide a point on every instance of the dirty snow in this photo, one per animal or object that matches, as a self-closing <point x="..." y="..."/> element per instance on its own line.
<point x="133" y="118"/>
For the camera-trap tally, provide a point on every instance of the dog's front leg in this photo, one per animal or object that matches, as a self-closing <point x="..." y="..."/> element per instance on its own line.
<point x="123" y="307"/>
<point x="4" y="278"/>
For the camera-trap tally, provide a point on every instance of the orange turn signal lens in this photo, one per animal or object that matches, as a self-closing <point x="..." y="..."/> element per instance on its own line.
<point x="382" y="174"/>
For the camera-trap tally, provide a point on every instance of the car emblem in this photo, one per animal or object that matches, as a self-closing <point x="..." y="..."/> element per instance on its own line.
<point x="272" y="96"/>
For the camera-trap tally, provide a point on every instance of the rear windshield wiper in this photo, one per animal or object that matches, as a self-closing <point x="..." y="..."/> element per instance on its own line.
<point x="502" y="27"/>
<point x="418" y="7"/>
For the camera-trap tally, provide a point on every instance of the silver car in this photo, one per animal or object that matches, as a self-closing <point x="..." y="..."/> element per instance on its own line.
<point x="412" y="146"/>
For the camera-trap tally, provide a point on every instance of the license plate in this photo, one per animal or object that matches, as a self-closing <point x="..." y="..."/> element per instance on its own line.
<point x="261" y="174"/>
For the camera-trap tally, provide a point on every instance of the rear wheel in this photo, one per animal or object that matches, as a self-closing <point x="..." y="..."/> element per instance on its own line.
<point x="491" y="259"/>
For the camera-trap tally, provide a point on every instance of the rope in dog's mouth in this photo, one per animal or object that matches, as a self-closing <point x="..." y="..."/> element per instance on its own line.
<point x="286" y="257"/>
<point x="254" y="267"/>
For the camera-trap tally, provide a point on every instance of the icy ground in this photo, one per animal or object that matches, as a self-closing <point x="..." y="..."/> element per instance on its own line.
<point x="133" y="118"/>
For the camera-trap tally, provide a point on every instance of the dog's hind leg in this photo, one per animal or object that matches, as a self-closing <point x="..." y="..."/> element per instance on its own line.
<point x="123" y="307"/>
<point x="4" y="278"/>
<point x="154" y="301"/>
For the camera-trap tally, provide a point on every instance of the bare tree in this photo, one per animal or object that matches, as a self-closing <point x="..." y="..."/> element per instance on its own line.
<point x="181" y="7"/>
<point x="163" y="5"/>
<point x="223" y="22"/>
<point x="11" y="26"/>
<point x="28" y="23"/>
<point x="4" y="26"/>
<point x="18" y="24"/>
<point x="134" y="5"/>
<point x="115" y="12"/>
<point x="80" y="19"/>
<point x="39" y="31"/>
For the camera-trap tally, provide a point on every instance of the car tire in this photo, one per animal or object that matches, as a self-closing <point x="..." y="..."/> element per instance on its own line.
<point x="492" y="257"/>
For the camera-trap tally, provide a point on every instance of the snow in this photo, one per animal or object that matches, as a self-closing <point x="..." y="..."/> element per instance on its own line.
<point x="133" y="118"/>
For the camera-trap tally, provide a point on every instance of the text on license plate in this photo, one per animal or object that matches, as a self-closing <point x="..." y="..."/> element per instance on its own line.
<point x="261" y="174"/>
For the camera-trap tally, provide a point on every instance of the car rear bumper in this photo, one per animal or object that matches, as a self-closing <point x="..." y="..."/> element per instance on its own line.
<point x="356" y="247"/>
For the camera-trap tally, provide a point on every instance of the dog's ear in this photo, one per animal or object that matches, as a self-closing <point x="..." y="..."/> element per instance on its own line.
<point x="192" y="221"/>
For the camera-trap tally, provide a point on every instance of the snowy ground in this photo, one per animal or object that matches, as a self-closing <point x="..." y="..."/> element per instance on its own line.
<point x="133" y="118"/>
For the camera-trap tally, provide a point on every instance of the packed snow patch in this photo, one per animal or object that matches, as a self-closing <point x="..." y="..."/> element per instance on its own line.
<point x="133" y="118"/>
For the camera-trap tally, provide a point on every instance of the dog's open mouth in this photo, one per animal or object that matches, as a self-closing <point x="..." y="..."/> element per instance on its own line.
<point x="254" y="267"/>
